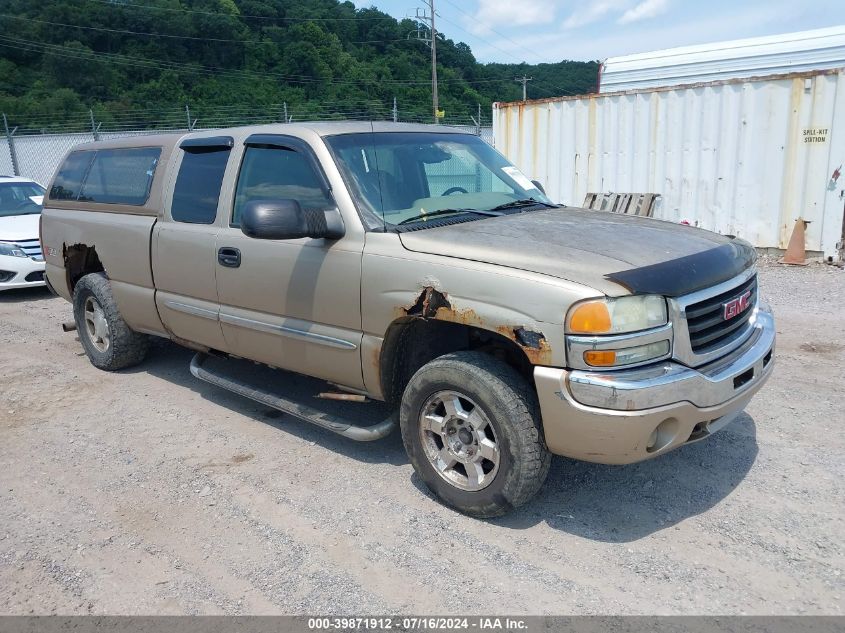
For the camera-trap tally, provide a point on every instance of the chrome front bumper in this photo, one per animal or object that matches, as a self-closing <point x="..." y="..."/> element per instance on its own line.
<point x="630" y="415"/>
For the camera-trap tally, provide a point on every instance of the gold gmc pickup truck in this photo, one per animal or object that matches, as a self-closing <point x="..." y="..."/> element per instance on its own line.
<point x="415" y="266"/>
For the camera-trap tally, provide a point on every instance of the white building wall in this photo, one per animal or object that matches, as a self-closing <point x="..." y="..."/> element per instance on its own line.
<point x="730" y="156"/>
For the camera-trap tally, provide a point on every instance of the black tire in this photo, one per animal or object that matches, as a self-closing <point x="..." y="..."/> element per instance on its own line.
<point x="125" y="347"/>
<point x="511" y="408"/>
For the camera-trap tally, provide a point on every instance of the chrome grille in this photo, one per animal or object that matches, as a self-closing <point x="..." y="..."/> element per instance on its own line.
<point x="706" y="324"/>
<point x="702" y="334"/>
<point x="32" y="248"/>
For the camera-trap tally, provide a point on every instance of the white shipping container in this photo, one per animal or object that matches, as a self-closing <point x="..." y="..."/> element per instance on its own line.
<point x="739" y="157"/>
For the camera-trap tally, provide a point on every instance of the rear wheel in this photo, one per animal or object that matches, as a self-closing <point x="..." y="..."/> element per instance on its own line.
<point x="109" y="342"/>
<point x="471" y="427"/>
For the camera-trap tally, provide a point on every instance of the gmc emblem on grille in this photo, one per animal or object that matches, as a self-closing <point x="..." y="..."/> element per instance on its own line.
<point x="736" y="306"/>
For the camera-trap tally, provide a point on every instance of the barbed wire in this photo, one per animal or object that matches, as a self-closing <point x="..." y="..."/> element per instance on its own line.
<point x="182" y="117"/>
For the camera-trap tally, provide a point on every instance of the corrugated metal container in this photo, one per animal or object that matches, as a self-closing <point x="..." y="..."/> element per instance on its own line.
<point x="755" y="57"/>
<point x="738" y="157"/>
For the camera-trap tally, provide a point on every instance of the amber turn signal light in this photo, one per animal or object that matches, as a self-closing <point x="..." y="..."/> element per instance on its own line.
<point x="591" y="317"/>
<point x="600" y="358"/>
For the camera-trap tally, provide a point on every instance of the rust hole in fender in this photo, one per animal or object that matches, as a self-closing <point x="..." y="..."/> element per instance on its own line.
<point x="434" y="304"/>
<point x="427" y="304"/>
<point x="529" y="338"/>
<point x="533" y="343"/>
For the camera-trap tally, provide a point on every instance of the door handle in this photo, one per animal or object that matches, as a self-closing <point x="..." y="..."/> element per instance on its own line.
<point x="229" y="257"/>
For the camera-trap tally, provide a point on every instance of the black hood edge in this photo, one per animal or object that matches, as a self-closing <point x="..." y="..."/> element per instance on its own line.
<point x="688" y="274"/>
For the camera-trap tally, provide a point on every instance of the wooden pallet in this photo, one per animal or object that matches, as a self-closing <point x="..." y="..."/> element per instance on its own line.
<point x="627" y="203"/>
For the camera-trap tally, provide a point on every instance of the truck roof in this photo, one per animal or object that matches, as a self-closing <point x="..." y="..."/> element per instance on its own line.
<point x="321" y="128"/>
<point x="169" y="142"/>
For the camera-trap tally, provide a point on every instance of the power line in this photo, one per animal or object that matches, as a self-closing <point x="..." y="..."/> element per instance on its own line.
<point x="214" y="39"/>
<point x="501" y="35"/>
<point x="558" y="89"/>
<point x="166" y="35"/>
<point x="430" y="39"/>
<point x="147" y="7"/>
<point x="481" y="39"/>
<point x="401" y="39"/>
<point x="458" y="26"/>
<point x="125" y="32"/>
<point x="292" y="79"/>
<point x="89" y="55"/>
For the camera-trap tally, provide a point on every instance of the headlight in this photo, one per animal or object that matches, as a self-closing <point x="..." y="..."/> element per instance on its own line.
<point x="11" y="249"/>
<point x="617" y="316"/>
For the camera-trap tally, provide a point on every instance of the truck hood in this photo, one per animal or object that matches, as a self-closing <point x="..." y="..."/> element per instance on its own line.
<point x="16" y="228"/>
<point x="612" y="253"/>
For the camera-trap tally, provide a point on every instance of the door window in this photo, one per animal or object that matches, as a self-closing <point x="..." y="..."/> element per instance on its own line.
<point x="275" y="173"/>
<point x="198" y="184"/>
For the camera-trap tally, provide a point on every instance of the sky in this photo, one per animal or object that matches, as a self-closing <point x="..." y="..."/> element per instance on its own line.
<point x="535" y="31"/>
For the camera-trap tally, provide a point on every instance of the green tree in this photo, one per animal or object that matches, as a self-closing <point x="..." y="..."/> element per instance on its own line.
<point x="141" y="63"/>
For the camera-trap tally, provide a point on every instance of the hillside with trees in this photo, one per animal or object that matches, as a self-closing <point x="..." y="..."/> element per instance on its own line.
<point x="138" y="62"/>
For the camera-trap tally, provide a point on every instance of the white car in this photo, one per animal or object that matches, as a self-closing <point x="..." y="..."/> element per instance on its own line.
<point x="21" y="260"/>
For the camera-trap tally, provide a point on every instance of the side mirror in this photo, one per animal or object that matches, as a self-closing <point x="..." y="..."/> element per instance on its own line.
<point x="539" y="186"/>
<point x="287" y="220"/>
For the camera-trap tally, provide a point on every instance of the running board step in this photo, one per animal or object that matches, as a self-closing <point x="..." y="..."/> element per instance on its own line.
<point x="328" y="421"/>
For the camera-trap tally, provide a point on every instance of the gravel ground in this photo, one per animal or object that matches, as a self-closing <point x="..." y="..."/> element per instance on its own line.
<point x="147" y="491"/>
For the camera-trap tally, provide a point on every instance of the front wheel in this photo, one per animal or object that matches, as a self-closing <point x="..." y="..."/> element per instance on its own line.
<point x="471" y="427"/>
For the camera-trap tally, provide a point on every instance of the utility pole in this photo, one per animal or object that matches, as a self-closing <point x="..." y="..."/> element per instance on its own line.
<point x="524" y="81"/>
<point x="434" y="96"/>
<point x="428" y="17"/>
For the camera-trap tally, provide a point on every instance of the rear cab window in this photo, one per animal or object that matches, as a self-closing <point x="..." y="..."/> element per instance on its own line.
<point x="121" y="176"/>
<point x="68" y="181"/>
<point x="107" y="176"/>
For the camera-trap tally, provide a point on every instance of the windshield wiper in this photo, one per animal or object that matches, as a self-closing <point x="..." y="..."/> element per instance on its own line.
<point x="423" y="216"/>
<point x="523" y="202"/>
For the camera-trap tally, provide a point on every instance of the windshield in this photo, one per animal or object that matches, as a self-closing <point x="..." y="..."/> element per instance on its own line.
<point x="399" y="179"/>
<point x="20" y="198"/>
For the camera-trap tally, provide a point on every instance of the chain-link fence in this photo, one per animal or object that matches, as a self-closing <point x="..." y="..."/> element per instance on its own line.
<point x="33" y="148"/>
